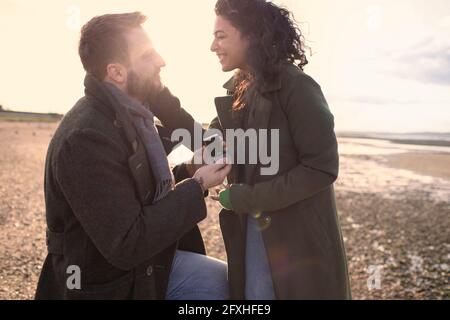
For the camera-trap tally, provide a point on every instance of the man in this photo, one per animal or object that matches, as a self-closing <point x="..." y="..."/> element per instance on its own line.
<point x="118" y="227"/>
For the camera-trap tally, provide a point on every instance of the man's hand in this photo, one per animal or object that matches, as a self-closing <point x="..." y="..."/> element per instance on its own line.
<point x="212" y="175"/>
<point x="191" y="166"/>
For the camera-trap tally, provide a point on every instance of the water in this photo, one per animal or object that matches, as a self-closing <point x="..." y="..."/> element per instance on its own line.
<point x="363" y="168"/>
<point x="364" y="146"/>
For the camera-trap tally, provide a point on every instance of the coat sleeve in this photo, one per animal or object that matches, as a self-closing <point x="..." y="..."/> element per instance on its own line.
<point x="180" y="173"/>
<point x="93" y="174"/>
<point x="167" y="108"/>
<point x="312" y="127"/>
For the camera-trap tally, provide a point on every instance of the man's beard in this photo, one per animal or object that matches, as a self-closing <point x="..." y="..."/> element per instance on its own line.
<point x="139" y="87"/>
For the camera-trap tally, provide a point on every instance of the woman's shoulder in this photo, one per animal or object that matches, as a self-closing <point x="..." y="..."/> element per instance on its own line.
<point x="294" y="78"/>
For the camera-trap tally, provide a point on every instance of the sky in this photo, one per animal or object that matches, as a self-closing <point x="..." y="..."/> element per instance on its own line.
<point x="383" y="65"/>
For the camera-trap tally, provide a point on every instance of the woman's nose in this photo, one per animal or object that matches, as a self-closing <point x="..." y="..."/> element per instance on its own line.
<point x="213" y="46"/>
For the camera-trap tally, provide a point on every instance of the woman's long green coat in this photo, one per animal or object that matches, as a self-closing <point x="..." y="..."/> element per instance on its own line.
<point x="296" y="207"/>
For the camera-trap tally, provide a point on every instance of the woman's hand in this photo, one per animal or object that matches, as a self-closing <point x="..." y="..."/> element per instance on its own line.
<point x="217" y="190"/>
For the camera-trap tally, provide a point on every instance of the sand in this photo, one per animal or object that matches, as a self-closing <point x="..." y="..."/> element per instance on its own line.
<point x="432" y="164"/>
<point x="394" y="219"/>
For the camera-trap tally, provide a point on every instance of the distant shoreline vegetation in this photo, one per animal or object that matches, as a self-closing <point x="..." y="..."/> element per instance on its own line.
<point x="18" y="116"/>
<point x="419" y="138"/>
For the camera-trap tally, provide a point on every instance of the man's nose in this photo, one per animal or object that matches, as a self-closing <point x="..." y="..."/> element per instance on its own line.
<point x="160" y="61"/>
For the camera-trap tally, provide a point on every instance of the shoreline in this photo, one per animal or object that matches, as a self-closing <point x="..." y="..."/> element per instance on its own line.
<point x="399" y="140"/>
<point x="432" y="143"/>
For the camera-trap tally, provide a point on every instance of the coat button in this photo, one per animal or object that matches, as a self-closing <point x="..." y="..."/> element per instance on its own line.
<point x="149" y="270"/>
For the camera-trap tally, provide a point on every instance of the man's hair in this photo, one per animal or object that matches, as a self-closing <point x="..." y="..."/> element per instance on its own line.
<point x="103" y="41"/>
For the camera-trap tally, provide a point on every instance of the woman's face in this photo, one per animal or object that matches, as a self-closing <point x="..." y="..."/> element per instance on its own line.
<point x="229" y="45"/>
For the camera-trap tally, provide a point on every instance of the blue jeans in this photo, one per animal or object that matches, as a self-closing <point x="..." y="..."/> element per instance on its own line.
<point x="197" y="277"/>
<point x="258" y="277"/>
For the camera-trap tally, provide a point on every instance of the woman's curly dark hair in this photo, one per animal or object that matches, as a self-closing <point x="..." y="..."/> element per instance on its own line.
<point x="274" y="38"/>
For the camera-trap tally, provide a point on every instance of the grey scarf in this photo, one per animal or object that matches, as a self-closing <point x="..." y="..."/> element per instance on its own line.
<point x="142" y="119"/>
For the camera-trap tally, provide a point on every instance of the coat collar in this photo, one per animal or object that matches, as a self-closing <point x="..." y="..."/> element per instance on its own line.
<point x="267" y="87"/>
<point x="94" y="89"/>
<point x="260" y="110"/>
<point x="110" y="107"/>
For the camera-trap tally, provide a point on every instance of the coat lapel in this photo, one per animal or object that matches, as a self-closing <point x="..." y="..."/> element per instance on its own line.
<point x="224" y="112"/>
<point x="259" y="116"/>
<point x="228" y="118"/>
<point x="258" y="119"/>
<point x="228" y="121"/>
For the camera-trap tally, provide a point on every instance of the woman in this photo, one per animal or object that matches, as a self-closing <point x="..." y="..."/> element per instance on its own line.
<point x="281" y="232"/>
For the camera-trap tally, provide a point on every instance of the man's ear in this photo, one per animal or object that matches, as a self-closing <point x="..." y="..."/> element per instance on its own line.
<point x="116" y="73"/>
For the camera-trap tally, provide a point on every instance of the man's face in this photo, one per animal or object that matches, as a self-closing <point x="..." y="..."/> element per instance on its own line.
<point x="143" y="77"/>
